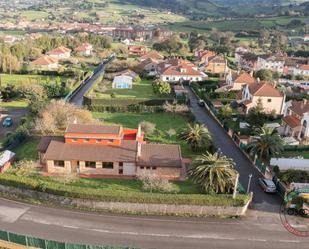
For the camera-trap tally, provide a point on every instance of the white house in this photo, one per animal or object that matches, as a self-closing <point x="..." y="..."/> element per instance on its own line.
<point x="60" y="53"/>
<point x="302" y="70"/>
<point x="122" y="82"/>
<point x="84" y="49"/>
<point x="272" y="63"/>
<point x="45" y="63"/>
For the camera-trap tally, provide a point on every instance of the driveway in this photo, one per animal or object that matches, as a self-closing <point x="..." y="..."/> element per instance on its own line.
<point x="261" y="201"/>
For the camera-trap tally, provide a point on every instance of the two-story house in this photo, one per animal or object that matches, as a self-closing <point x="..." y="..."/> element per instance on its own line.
<point x="236" y="81"/>
<point x="217" y="65"/>
<point x="84" y="49"/>
<point x="45" y="63"/>
<point x="271" y="99"/>
<point x="60" y="53"/>
<point x="296" y="119"/>
<point x="273" y="63"/>
<point x="108" y="150"/>
<point x="203" y="57"/>
<point x="137" y="50"/>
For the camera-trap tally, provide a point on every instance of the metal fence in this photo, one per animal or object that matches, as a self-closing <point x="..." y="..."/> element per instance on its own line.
<point x="47" y="244"/>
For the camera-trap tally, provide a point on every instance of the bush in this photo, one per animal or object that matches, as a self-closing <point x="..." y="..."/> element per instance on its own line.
<point x="148" y="127"/>
<point x="44" y="184"/>
<point x="154" y="183"/>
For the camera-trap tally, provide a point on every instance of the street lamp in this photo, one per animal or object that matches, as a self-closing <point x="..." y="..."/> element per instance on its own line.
<point x="249" y="183"/>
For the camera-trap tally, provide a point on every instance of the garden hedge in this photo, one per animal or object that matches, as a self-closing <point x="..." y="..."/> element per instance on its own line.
<point x="57" y="188"/>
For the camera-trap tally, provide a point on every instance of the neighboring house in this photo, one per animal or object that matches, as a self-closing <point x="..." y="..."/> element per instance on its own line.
<point x="236" y="81"/>
<point x="296" y="119"/>
<point x="273" y="63"/>
<point x="271" y="98"/>
<point x="84" y="49"/>
<point x="153" y="55"/>
<point x="217" y="65"/>
<point x="6" y="159"/>
<point x="150" y="66"/>
<point x="177" y="70"/>
<point x="302" y="70"/>
<point x="127" y="72"/>
<point x="246" y="59"/>
<point x="122" y="82"/>
<point x="203" y="57"/>
<point x="45" y="63"/>
<point x="137" y="50"/>
<point x="108" y="150"/>
<point x="291" y="65"/>
<point x="60" y="53"/>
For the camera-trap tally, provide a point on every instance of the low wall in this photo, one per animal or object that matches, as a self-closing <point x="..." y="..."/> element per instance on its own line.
<point x="129" y="208"/>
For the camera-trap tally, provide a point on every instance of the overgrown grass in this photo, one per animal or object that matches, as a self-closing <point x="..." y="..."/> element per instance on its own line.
<point x="21" y="103"/>
<point x="27" y="150"/>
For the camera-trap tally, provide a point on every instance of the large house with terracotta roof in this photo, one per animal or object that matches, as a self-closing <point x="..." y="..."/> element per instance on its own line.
<point x="203" y="57"/>
<point x="60" y="53"/>
<point x="177" y="70"/>
<point x="217" y="65"/>
<point x="271" y="98"/>
<point x="153" y="55"/>
<point x="107" y="151"/>
<point x="296" y="119"/>
<point x="84" y="49"/>
<point x="45" y="63"/>
<point x="236" y="81"/>
<point x="137" y="50"/>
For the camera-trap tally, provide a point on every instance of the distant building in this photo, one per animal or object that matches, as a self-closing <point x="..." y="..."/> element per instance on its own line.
<point x="236" y="81"/>
<point x="154" y="55"/>
<point x="217" y="65"/>
<point x="60" y="53"/>
<point x="84" y="49"/>
<point x="272" y="63"/>
<point x="302" y="70"/>
<point x="137" y="50"/>
<point x="45" y="63"/>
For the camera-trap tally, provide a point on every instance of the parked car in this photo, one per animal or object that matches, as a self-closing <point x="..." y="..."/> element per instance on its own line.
<point x="267" y="185"/>
<point x="201" y="103"/>
<point x="7" y="122"/>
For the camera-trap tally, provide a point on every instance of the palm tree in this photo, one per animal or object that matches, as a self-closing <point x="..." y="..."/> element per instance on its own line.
<point x="226" y="112"/>
<point x="213" y="172"/>
<point x="197" y="136"/>
<point x="267" y="144"/>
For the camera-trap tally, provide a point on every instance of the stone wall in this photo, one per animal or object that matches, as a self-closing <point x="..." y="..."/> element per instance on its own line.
<point x="129" y="208"/>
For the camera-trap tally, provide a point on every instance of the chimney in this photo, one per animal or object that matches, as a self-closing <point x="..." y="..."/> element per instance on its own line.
<point x="139" y="132"/>
<point x="305" y="101"/>
<point x="251" y="73"/>
<point x="258" y="80"/>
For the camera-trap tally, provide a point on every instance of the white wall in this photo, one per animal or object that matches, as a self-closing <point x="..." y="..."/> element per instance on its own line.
<point x="290" y="163"/>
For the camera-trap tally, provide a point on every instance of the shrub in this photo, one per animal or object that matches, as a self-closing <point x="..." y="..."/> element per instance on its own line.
<point x="171" y="132"/>
<point x="25" y="168"/>
<point x="113" y="95"/>
<point x="154" y="183"/>
<point x="148" y="127"/>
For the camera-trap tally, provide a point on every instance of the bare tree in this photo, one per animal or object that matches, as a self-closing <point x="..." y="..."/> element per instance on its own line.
<point x="174" y="107"/>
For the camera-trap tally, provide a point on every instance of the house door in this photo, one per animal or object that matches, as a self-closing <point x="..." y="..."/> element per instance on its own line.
<point x="129" y="169"/>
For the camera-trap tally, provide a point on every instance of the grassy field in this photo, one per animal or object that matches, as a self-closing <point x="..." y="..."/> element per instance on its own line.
<point x="15" y="104"/>
<point x="304" y="154"/>
<point x="141" y="90"/>
<point x="32" y="15"/>
<point x="163" y="122"/>
<point x="235" y="25"/>
<point x="7" y="79"/>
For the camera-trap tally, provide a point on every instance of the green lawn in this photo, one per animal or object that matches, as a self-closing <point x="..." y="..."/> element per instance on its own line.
<point x="163" y="122"/>
<point x="7" y="79"/>
<point x="27" y="150"/>
<point x="141" y="90"/>
<point x="15" y="104"/>
<point x="32" y="15"/>
<point x="304" y="154"/>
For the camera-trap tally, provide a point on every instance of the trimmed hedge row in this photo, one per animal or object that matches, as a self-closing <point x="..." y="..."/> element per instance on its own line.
<point x="39" y="184"/>
<point x="131" y="108"/>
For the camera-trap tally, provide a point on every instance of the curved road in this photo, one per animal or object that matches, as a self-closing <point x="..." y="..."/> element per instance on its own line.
<point x="222" y="140"/>
<point x="147" y="232"/>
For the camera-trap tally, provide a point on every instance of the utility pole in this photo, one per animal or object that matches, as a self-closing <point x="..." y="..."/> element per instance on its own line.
<point x="235" y="186"/>
<point x="249" y="183"/>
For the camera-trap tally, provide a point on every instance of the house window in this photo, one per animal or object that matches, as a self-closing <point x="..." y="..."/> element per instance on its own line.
<point x="147" y="167"/>
<point x="58" y="163"/>
<point x="110" y="140"/>
<point x="74" y="140"/>
<point x="268" y="100"/>
<point x="107" y="165"/>
<point x="154" y="168"/>
<point x="120" y="164"/>
<point x="86" y="140"/>
<point x="98" y="140"/>
<point x="90" y="164"/>
<point x="141" y="167"/>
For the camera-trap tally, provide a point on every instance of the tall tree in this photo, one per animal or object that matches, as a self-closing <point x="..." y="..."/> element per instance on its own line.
<point x="214" y="173"/>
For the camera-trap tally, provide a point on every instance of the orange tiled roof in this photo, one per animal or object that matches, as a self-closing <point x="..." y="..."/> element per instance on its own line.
<point x="264" y="89"/>
<point x="45" y="60"/>
<point x="154" y="55"/>
<point x="291" y="121"/>
<point x="304" y="67"/>
<point x="59" y="50"/>
<point x="244" y="78"/>
<point x="300" y="107"/>
<point x="182" y="70"/>
<point x="83" y="47"/>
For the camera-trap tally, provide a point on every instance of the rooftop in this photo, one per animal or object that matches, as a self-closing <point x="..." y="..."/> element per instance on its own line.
<point x="93" y="129"/>
<point x="264" y="89"/>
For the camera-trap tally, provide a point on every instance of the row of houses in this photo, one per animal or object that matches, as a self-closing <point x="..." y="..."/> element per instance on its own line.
<point x="50" y="60"/>
<point x="279" y="63"/>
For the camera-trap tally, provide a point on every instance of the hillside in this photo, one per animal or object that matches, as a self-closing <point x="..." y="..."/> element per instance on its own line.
<point x="209" y="8"/>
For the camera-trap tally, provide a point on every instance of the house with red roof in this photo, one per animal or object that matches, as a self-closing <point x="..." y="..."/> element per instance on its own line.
<point x="137" y="50"/>
<point x="271" y="99"/>
<point x="45" y="63"/>
<point x="60" y="53"/>
<point x="236" y="81"/>
<point x="84" y="49"/>
<point x="296" y="119"/>
<point x="108" y="151"/>
<point x="302" y="70"/>
<point x="177" y="70"/>
<point x="204" y="56"/>
<point x="153" y="55"/>
<point x="217" y="65"/>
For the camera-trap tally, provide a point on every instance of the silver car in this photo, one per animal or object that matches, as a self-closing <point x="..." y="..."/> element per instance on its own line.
<point x="267" y="185"/>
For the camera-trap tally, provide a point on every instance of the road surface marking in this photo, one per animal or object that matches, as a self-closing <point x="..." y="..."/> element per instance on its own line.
<point x="11" y="214"/>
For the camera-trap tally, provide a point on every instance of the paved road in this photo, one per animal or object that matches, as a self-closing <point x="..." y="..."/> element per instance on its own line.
<point x="261" y="200"/>
<point x="147" y="232"/>
<point x="77" y="98"/>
